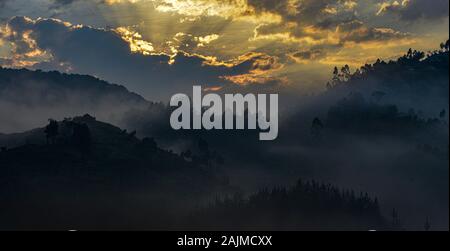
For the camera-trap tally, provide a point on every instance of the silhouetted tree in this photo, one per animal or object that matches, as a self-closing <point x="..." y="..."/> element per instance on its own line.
<point x="445" y="46"/>
<point x="345" y="73"/>
<point x="51" y="131"/>
<point x="335" y="79"/>
<point x="335" y="74"/>
<point x="412" y="56"/>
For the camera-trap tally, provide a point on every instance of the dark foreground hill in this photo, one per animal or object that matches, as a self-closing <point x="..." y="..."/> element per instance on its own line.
<point x="84" y="174"/>
<point x="88" y="174"/>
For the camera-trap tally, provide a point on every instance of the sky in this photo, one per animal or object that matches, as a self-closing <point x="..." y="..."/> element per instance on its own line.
<point x="158" y="48"/>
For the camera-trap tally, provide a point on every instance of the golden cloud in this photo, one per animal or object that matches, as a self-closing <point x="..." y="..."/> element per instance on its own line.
<point x="23" y="49"/>
<point x="202" y="41"/>
<point x="134" y="39"/>
<point x="263" y="70"/>
<point x="392" y="5"/>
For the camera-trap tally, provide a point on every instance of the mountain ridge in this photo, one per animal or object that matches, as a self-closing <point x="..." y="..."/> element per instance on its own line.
<point x="28" y="98"/>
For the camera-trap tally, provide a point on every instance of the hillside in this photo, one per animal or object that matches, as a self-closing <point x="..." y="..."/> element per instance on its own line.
<point x="91" y="175"/>
<point x="28" y="98"/>
<point x="417" y="81"/>
<point x="387" y="119"/>
<point x="86" y="171"/>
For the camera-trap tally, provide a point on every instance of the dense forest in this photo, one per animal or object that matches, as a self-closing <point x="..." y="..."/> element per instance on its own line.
<point x="307" y="205"/>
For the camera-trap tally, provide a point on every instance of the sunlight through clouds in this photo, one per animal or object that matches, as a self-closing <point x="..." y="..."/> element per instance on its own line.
<point x="137" y="45"/>
<point x="301" y="35"/>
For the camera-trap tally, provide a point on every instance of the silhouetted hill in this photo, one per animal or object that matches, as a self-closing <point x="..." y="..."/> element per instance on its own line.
<point x="27" y="97"/>
<point x="53" y="87"/>
<point x="86" y="142"/>
<point x="416" y="81"/>
<point x="307" y="205"/>
<point x="87" y="174"/>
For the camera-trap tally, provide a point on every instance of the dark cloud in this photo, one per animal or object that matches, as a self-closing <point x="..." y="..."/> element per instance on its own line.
<point x="312" y="54"/>
<point x="356" y="31"/>
<point x="103" y="53"/>
<point x="307" y="12"/>
<point x="316" y="19"/>
<point x="60" y="4"/>
<point x="5" y="61"/>
<point x="327" y="13"/>
<point x="269" y="6"/>
<point x="64" y="2"/>
<point x="412" y="10"/>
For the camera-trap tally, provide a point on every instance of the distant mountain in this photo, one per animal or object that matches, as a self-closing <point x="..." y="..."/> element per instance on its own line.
<point x="29" y="98"/>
